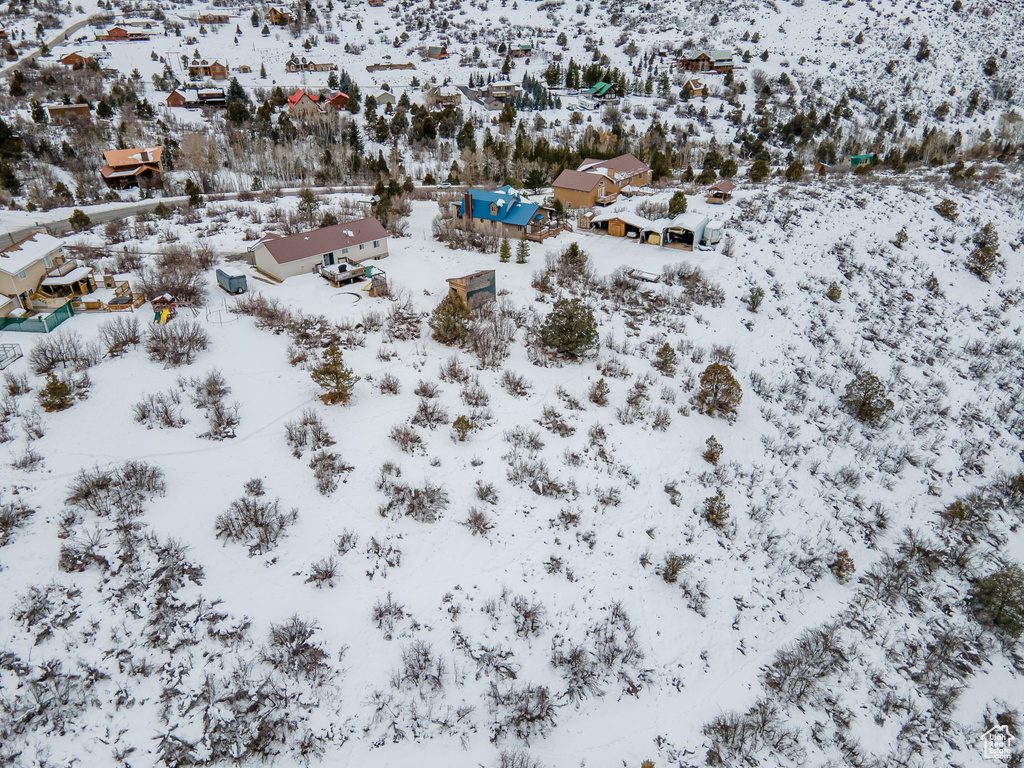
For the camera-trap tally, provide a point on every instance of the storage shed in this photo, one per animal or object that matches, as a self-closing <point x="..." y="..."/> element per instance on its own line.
<point x="685" y="231"/>
<point x="476" y="289"/>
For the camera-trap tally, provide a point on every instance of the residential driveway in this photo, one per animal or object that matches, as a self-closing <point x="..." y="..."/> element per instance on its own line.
<point x="56" y="40"/>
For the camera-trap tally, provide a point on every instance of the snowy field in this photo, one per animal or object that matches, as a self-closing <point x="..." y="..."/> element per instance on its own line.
<point x="510" y="622"/>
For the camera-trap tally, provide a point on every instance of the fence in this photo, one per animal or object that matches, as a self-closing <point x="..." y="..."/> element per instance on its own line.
<point x="39" y="323"/>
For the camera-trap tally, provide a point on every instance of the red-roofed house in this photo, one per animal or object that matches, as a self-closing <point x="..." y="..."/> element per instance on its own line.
<point x="303" y="105"/>
<point x="339" y="101"/>
<point x="352" y="242"/>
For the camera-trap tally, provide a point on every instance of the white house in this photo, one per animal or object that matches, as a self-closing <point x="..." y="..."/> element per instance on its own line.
<point x="352" y="242"/>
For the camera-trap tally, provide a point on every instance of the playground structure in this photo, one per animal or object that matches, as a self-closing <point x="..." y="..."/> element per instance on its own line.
<point x="164" y="309"/>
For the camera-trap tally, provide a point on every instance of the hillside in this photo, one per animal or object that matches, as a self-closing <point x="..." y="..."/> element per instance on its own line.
<point x="512" y="596"/>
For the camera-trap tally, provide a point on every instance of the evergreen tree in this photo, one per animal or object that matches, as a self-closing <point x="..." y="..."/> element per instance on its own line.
<point x="55" y="395"/>
<point x="263" y="71"/>
<point x="79" y="220"/>
<point x="984" y="259"/>
<point x="194" y="193"/>
<point x="450" y="320"/>
<point x="38" y="113"/>
<point x="309" y="204"/>
<point x="720" y="394"/>
<point x="999" y="599"/>
<point x="677" y="204"/>
<point x="334" y="377"/>
<point x="522" y="250"/>
<point x="759" y="170"/>
<point x="665" y="359"/>
<point x="236" y="93"/>
<point x="255" y="19"/>
<point x="505" y="251"/>
<point x="865" y="398"/>
<point x="571" y="328"/>
<point x="103" y="109"/>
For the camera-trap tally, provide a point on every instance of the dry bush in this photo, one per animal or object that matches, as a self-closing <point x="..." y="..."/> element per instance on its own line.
<point x="177" y="273"/>
<point x="327" y="467"/>
<point x="64" y="350"/>
<point x="454" y="232"/>
<point x="120" y="333"/>
<point x="162" y="410"/>
<point x="407" y="438"/>
<point x="13" y="515"/>
<point x="307" y="430"/>
<point x="477" y="522"/>
<point x="290" y="651"/>
<point x="176" y="344"/>
<point x="254" y="521"/>
<point x="323" y="572"/>
<point x="515" y="384"/>
<point x="424" y="505"/>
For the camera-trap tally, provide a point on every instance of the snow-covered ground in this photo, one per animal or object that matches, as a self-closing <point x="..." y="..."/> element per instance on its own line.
<point x="561" y="600"/>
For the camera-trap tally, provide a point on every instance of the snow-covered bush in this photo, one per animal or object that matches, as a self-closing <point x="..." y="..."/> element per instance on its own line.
<point x="254" y="521"/>
<point x="177" y="343"/>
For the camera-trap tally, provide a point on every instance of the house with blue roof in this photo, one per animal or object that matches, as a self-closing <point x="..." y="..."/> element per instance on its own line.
<point x="503" y="211"/>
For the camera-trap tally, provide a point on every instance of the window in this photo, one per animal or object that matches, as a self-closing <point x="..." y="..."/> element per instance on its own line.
<point x="47" y="261"/>
<point x="361" y="246"/>
<point x="344" y="251"/>
<point x="376" y="243"/>
<point x="22" y="275"/>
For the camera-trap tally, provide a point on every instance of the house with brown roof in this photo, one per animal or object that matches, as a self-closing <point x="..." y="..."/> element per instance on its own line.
<point x="138" y="167"/>
<point x="280" y="16"/>
<point x="65" y="113"/>
<point x="441" y="96"/>
<point x="720" y="192"/>
<point x="350" y="243"/>
<point x="693" y="87"/>
<point x="76" y="60"/>
<point x="121" y="35"/>
<point x="213" y="18"/>
<point x="200" y="68"/>
<point x="708" y="61"/>
<point x="302" y="64"/>
<point x="600" y="182"/>
<point x="196" y="97"/>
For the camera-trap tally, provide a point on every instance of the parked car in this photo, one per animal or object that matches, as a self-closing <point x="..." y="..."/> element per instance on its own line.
<point x="444" y="185"/>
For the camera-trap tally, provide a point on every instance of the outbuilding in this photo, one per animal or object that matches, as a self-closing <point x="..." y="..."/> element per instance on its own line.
<point x="685" y="231"/>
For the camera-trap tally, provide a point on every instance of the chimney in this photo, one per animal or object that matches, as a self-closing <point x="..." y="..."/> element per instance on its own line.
<point x="144" y="155"/>
<point x="467" y="206"/>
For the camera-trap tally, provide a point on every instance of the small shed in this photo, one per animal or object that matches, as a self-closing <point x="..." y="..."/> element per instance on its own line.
<point x="713" y="232"/>
<point x="476" y="289"/>
<point x="720" y="192"/>
<point x="685" y="231"/>
<point x="231" y="283"/>
<point x="856" y="160"/>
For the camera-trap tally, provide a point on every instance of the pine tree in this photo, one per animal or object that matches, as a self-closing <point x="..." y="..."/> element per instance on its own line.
<point x="984" y="259"/>
<point x="865" y="398"/>
<point x="665" y="359"/>
<point x="505" y="251"/>
<point x="522" y="251"/>
<point x="999" y="598"/>
<point x="677" y="204"/>
<point x="333" y="376"/>
<point x="450" y="320"/>
<point x="571" y="328"/>
<point x="55" y="395"/>
<point x="720" y="394"/>
<point x="195" y="197"/>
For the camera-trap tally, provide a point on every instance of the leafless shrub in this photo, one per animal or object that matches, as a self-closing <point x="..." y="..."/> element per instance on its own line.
<point x="613" y="368"/>
<point x="429" y="414"/>
<point x="553" y="421"/>
<point x="13" y="515"/>
<point x="65" y="350"/>
<point x="16" y="384"/>
<point x="402" y="322"/>
<point x="515" y="384"/>
<point x="327" y="467"/>
<point x="177" y="274"/>
<point x="176" y="344"/>
<point x="389" y="384"/>
<point x="527" y="616"/>
<point x="523" y="712"/>
<point x="652" y="210"/>
<point x="323" y="572"/>
<point x="254" y="521"/>
<point x="492" y="332"/>
<point x="804" y="666"/>
<point x="32" y="425"/>
<point x="407" y="438"/>
<point x="346" y="542"/>
<point x="696" y="288"/>
<point x="477" y="522"/>
<point x="161" y="410"/>
<point x="453" y="371"/>
<point x="427" y="390"/>
<point x="120" y="334"/>
<point x="424" y="505"/>
<point x="290" y="651"/>
<point x="307" y="430"/>
<point x="734" y="735"/>
<point x="420" y="670"/>
<point x="222" y="420"/>
<point x="451" y="230"/>
<point x="384" y="554"/>
<point x="387" y="614"/>
<point x="119" y="491"/>
<point x="485" y="492"/>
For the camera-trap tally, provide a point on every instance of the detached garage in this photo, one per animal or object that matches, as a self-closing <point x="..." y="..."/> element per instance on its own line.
<point x="350" y="243"/>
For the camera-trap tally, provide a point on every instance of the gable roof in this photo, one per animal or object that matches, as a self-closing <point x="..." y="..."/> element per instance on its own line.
<point x="580" y="181"/>
<point x="117" y="158"/>
<point x="599" y="89"/>
<point x="296" y="97"/>
<point x="324" y="240"/>
<point x="722" y="185"/>
<point x="28" y="252"/>
<point x="510" y="207"/>
<point x="623" y="164"/>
